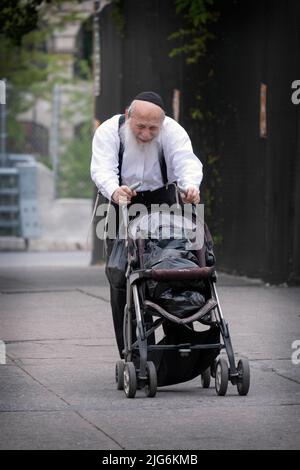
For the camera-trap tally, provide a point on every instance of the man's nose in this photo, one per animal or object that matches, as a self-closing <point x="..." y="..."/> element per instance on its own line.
<point x="146" y="134"/>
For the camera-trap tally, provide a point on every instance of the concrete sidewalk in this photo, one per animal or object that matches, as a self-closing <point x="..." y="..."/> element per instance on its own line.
<point x="57" y="388"/>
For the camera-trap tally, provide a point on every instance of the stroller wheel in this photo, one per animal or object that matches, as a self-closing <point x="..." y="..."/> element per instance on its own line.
<point x="243" y="383"/>
<point x="151" y="385"/>
<point x="120" y="375"/>
<point x="205" y="378"/>
<point x="221" y="376"/>
<point x="130" y="382"/>
<point x="213" y="367"/>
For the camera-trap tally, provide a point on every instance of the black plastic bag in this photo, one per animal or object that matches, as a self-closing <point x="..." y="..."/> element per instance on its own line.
<point x="181" y="303"/>
<point x="156" y="288"/>
<point x="158" y="255"/>
<point x="180" y="298"/>
<point x="117" y="264"/>
<point x="157" y="250"/>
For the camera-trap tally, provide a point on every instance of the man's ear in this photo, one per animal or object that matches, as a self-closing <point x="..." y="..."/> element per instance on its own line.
<point x="126" y="114"/>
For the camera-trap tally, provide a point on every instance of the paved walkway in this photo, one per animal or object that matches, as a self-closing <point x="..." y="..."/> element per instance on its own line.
<point x="57" y="388"/>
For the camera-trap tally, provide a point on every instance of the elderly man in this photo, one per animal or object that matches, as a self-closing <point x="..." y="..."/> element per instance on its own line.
<point x="143" y="146"/>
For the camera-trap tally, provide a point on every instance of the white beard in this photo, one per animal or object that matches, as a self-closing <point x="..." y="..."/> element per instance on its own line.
<point x="136" y="154"/>
<point x="136" y="149"/>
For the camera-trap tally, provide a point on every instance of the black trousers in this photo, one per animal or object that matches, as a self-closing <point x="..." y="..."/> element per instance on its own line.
<point x="165" y="195"/>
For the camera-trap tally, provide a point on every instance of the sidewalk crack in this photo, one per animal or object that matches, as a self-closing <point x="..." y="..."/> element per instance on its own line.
<point x="92" y="295"/>
<point x="285" y="377"/>
<point x="67" y="403"/>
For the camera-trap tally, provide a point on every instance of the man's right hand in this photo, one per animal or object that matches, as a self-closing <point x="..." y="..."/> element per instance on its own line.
<point x="123" y="195"/>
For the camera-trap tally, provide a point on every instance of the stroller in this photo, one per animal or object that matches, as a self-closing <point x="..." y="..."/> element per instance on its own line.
<point x="171" y="289"/>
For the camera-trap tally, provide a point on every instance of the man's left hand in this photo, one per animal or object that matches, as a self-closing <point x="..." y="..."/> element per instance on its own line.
<point x="191" y="195"/>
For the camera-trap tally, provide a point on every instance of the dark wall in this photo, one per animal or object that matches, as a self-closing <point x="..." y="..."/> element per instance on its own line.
<point x="139" y="59"/>
<point x="259" y="44"/>
<point x="256" y="203"/>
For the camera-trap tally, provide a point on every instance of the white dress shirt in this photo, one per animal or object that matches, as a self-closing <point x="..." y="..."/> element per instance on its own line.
<point x="182" y="164"/>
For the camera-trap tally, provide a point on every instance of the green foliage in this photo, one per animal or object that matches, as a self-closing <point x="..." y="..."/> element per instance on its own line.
<point x="17" y="18"/>
<point x="197" y="17"/>
<point x="82" y="69"/>
<point x="24" y="61"/>
<point x="74" y="171"/>
<point x="26" y="70"/>
<point x="75" y="180"/>
<point x="20" y="17"/>
<point x="117" y="14"/>
<point x="31" y="72"/>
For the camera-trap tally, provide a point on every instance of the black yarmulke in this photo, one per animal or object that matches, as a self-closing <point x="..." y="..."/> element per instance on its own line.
<point x="152" y="97"/>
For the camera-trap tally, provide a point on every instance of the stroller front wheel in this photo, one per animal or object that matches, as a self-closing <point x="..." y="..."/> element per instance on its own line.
<point x="213" y="368"/>
<point x="221" y="377"/>
<point x="243" y="383"/>
<point x="151" y="385"/>
<point x="120" y="375"/>
<point x="130" y="382"/>
<point x="205" y="378"/>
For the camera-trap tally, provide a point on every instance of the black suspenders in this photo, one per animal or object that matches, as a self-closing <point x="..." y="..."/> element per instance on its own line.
<point x="121" y="148"/>
<point x="162" y="161"/>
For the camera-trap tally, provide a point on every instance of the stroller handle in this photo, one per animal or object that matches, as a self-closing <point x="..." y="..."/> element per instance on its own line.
<point x="183" y="191"/>
<point x="182" y="274"/>
<point x="135" y="186"/>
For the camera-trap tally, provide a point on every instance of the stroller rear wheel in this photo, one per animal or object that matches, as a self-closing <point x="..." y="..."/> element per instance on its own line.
<point x="221" y="376"/>
<point x="243" y="383"/>
<point x="120" y="375"/>
<point x="213" y="367"/>
<point x="130" y="382"/>
<point x="151" y="385"/>
<point x="205" y="378"/>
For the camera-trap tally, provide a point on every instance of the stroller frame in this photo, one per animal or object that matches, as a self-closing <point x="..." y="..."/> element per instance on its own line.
<point x="137" y="371"/>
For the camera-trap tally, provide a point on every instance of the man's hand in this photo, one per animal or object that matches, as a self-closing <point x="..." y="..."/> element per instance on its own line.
<point x="191" y="195"/>
<point x="123" y="195"/>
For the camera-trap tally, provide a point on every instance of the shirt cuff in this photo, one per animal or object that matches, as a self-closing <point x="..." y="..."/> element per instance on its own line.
<point x="188" y="185"/>
<point x="110" y="189"/>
